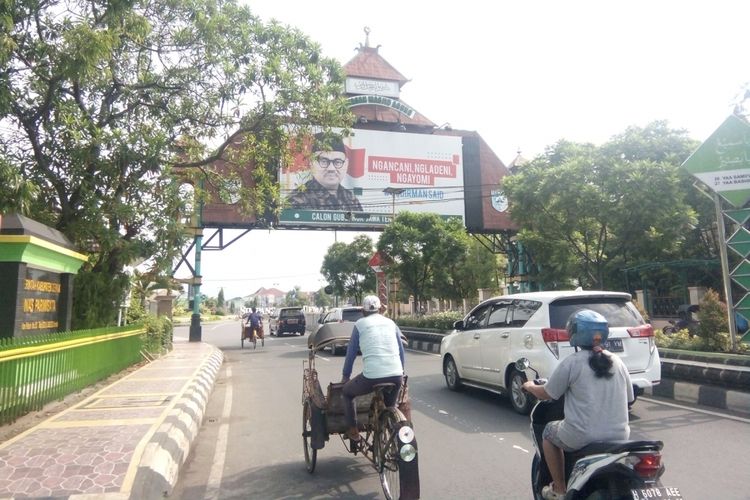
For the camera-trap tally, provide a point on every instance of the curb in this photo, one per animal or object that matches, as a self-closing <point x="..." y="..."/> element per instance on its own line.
<point x="170" y="445"/>
<point x="707" y="395"/>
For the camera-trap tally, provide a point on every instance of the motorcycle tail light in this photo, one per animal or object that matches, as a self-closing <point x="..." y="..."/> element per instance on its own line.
<point x="648" y="465"/>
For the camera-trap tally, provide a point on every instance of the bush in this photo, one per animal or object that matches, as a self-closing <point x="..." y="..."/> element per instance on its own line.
<point x="440" y="321"/>
<point x="713" y="323"/>
<point x="158" y="337"/>
<point x="711" y="333"/>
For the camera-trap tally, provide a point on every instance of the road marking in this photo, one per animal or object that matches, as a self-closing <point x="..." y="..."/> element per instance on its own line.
<point x="698" y="410"/>
<point x="213" y="485"/>
<point x="515" y="446"/>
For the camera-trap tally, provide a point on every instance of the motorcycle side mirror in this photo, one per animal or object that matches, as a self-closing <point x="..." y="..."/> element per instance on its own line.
<point x="522" y="364"/>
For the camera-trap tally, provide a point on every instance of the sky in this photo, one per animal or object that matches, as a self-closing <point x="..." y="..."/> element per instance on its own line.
<point x="523" y="75"/>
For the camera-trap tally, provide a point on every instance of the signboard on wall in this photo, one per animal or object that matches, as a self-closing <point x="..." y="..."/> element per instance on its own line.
<point x="39" y="299"/>
<point x="382" y="173"/>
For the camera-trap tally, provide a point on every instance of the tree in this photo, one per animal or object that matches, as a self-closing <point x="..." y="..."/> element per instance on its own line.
<point x="476" y="268"/>
<point x="419" y="247"/>
<point x="101" y="101"/>
<point x="588" y="212"/>
<point x="346" y="268"/>
<point x="220" y="299"/>
<point x="294" y="297"/>
<point x="322" y="299"/>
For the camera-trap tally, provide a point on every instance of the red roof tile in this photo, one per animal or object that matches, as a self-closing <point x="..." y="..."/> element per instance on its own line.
<point x="369" y="64"/>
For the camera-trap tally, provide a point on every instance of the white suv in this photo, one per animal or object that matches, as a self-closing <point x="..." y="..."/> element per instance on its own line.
<point x="482" y="350"/>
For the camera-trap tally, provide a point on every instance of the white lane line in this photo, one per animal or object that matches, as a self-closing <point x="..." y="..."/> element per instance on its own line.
<point x="515" y="446"/>
<point x="213" y="485"/>
<point x="698" y="410"/>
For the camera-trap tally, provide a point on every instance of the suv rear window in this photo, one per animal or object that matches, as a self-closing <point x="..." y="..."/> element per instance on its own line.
<point x="352" y="314"/>
<point x="290" y="312"/>
<point x="619" y="312"/>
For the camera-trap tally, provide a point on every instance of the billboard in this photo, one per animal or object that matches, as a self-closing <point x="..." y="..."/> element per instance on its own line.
<point x="375" y="175"/>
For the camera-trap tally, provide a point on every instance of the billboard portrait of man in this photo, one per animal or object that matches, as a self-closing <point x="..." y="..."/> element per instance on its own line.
<point x="328" y="165"/>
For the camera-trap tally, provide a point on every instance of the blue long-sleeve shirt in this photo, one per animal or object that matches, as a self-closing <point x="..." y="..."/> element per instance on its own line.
<point x="379" y="339"/>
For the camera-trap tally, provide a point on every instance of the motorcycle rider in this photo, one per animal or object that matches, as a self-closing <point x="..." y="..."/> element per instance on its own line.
<point x="597" y="389"/>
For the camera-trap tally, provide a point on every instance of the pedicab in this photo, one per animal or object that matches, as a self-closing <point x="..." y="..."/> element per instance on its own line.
<point x="247" y="334"/>
<point x="387" y="435"/>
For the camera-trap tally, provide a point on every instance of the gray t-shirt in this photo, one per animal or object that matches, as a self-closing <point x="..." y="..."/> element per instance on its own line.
<point x="596" y="409"/>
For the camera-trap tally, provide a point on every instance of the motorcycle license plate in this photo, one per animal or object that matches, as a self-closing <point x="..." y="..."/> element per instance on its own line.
<point x="614" y="345"/>
<point x="663" y="492"/>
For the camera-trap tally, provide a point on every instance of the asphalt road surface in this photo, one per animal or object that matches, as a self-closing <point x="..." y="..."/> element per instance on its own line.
<point x="472" y="445"/>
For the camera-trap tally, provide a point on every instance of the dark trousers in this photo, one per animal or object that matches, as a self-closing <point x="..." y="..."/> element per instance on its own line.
<point x="360" y="385"/>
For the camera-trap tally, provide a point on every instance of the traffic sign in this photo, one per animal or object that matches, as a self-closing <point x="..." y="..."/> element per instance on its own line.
<point x="376" y="262"/>
<point x="722" y="162"/>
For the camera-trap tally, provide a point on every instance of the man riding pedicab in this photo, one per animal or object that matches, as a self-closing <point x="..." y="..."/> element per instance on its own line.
<point x="254" y="325"/>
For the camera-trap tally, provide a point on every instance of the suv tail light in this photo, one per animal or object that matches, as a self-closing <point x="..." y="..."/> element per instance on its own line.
<point x="644" y="331"/>
<point x="552" y="336"/>
<point x="641" y="331"/>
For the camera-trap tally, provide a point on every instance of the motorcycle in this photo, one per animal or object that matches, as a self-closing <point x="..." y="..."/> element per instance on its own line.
<point x="685" y="321"/>
<point x="624" y="469"/>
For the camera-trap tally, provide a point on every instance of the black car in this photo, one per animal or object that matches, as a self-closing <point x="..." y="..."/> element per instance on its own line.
<point x="287" y="320"/>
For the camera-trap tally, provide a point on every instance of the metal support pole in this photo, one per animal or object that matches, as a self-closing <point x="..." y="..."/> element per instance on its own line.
<point x="195" y="319"/>
<point x="725" y="270"/>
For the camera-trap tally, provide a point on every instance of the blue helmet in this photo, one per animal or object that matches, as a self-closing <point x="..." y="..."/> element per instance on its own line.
<point x="587" y="328"/>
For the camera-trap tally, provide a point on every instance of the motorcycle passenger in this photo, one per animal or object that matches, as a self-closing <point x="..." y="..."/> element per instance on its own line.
<point x="379" y="340"/>
<point x="597" y="389"/>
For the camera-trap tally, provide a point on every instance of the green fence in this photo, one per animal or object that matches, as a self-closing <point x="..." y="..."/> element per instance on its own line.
<point x="38" y="369"/>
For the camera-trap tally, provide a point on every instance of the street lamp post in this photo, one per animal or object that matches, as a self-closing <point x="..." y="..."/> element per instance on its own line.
<point x="393" y="192"/>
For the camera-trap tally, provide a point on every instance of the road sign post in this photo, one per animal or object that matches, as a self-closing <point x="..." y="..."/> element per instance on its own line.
<point x="722" y="164"/>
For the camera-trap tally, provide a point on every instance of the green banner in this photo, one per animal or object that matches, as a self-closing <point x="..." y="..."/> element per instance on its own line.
<point x="722" y="162"/>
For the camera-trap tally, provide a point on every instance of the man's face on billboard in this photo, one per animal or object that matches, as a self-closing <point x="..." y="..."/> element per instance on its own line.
<point x="328" y="168"/>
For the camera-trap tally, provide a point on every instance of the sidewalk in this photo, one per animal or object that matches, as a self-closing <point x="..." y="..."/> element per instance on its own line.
<point x="126" y="441"/>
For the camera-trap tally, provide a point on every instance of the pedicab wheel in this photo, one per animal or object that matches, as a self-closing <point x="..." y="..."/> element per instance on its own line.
<point x="387" y="455"/>
<point x="311" y="454"/>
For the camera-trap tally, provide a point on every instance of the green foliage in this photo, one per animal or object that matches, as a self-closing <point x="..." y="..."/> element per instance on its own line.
<point x="322" y="299"/>
<point x="346" y="268"/>
<point x="714" y="324"/>
<point x="105" y="102"/>
<point x="220" y="299"/>
<point x="586" y="212"/>
<point x="442" y="321"/>
<point x="420" y="247"/>
<point x="679" y="340"/>
<point x="96" y="298"/>
<point x="158" y="337"/>
<point x="294" y="297"/>
<point x="712" y="330"/>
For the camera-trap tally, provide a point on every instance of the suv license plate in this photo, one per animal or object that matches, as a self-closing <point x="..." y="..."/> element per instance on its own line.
<point x="294" y="322"/>
<point x="664" y="492"/>
<point x="614" y="345"/>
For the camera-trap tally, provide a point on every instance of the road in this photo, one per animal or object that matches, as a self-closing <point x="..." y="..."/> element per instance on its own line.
<point x="472" y="444"/>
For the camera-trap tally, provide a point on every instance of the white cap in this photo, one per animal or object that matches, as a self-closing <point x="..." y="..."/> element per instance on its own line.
<point x="371" y="303"/>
